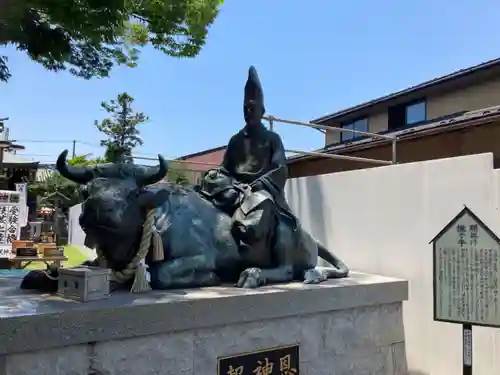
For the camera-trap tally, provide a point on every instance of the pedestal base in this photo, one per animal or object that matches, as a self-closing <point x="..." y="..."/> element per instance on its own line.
<point x="348" y="326"/>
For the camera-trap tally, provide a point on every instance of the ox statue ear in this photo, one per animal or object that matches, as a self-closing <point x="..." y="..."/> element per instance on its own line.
<point x="152" y="199"/>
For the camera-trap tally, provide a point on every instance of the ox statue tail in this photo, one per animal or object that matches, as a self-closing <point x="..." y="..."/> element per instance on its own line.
<point x="340" y="271"/>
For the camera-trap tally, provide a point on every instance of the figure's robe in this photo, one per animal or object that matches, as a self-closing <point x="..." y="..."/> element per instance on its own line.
<point x="256" y="156"/>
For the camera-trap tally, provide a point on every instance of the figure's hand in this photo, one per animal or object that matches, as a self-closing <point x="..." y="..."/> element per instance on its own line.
<point x="230" y="196"/>
<point x="245" y="189"/>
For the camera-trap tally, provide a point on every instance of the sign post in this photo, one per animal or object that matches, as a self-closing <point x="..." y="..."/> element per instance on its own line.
<point x="22" y="188"/>
<point x="467" y="348"/>
<point x="466" y="272"/>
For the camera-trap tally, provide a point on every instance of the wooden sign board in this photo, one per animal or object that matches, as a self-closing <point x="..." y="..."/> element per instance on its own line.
<point x="274" y="361"/>
<point x="466" y="272"/>
<point x="11" y="205"/>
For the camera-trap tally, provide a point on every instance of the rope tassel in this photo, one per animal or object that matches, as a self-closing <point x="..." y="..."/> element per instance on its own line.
<point x="141" y="283"/>
<point x="158" y="254"/>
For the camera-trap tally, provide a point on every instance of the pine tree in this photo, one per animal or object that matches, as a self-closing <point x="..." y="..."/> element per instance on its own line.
<point x="121" y="128"/>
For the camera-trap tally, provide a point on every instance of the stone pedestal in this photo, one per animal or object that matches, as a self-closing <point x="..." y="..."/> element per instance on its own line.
<point x="349" y="326"/>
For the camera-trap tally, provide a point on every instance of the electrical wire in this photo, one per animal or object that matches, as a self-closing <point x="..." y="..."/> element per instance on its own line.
<point x="138" y="155"/>
<point x="42" y="141"/>
<point x="56" y="141"/>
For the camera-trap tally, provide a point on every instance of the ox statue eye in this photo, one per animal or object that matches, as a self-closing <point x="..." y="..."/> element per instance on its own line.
<point x="134" y="193"/>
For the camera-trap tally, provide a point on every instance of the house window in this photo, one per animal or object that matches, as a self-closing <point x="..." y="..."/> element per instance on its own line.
<point x="402" y="115"/>
<point x="416" y="112"/>
<point x="360" y="125"/>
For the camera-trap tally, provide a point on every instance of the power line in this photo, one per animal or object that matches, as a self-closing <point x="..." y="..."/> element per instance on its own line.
<point x="139" y="155"/>
<point x="57" y="141"/>
<point x="22" y="154"/>
<point x="136" y="155"/>
<point x="41" y="141"/>
<point x="89" y="144"/>
<point x="75" y="141"/>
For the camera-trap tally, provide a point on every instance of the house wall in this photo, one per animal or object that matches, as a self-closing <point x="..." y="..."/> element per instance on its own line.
<point x="76" y="235"/>
<point x="380" y="220"/>
<point x="468" y="98"/>
<point x="472" y="140"/>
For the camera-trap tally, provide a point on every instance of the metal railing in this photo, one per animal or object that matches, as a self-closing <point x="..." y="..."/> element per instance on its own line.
<point x="272" y="120"/>
<point x="389" y="138"/>
<point x="179" y="161"/>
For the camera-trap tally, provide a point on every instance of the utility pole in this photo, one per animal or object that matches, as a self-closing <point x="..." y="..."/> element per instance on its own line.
<point x="74" y="149"/>
<point x="3" y="144"/>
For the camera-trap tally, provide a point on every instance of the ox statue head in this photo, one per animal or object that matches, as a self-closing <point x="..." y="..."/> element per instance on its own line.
<point x="115" y="204"/>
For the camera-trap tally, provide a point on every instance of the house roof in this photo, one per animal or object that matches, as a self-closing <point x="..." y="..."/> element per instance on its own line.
<point x="200" y="153"/>
<point x="13" y="161"/>
<point x="445" y="124"/>
<point x="461" y="77"/>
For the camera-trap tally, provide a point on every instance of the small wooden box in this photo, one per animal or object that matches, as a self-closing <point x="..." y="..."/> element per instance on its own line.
<point x="31" y="252"/>
<point x="43" y="246"/>
<point x="84" y="283"/>
<point x="53" y="251"/>
<point x="21" y="243"/>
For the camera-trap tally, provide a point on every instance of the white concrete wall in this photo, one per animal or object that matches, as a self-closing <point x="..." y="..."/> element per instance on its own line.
<point x="380" y="220"/>
<point x="76" y="236"/>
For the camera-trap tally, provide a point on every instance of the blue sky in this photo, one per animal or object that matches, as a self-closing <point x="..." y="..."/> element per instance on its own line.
<point x="313" y="58"/>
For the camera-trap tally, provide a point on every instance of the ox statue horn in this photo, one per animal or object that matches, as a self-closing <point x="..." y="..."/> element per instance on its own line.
<point x="80" y="175"/>
<point x="152" y="175"/>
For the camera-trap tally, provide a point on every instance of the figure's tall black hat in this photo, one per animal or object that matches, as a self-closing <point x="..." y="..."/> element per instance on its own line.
<point x="253" y="89"/>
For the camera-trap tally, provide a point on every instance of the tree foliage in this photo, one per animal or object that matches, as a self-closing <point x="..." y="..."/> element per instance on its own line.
<point x="123" y="135"/>
<point x="176" y="174"/>
<point x="90" y="37"/>
<point x="121" y="128"/>
<point x="86" y="159"/>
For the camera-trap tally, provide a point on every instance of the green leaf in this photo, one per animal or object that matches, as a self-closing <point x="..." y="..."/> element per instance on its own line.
<point x="90" y="37"/>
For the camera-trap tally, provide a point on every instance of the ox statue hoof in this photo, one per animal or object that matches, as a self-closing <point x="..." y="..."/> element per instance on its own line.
<point x="251" y="278"/>
<point x="314" y="276"/>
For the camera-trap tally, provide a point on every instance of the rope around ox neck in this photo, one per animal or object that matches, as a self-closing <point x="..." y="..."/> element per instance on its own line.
<point x="137" y="267"/>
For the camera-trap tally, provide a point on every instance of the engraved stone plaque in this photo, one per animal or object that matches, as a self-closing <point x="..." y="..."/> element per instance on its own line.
<point x="282" y="360"/>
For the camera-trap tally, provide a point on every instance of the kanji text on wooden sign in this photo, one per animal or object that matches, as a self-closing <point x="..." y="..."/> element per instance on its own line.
<point x="10" y="216"/>
<point x="466" y="265"/>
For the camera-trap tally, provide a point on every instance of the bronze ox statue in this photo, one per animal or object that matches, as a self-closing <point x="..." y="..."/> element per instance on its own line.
<point x="234" y="228"/>
<point x="198" y="246"/>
